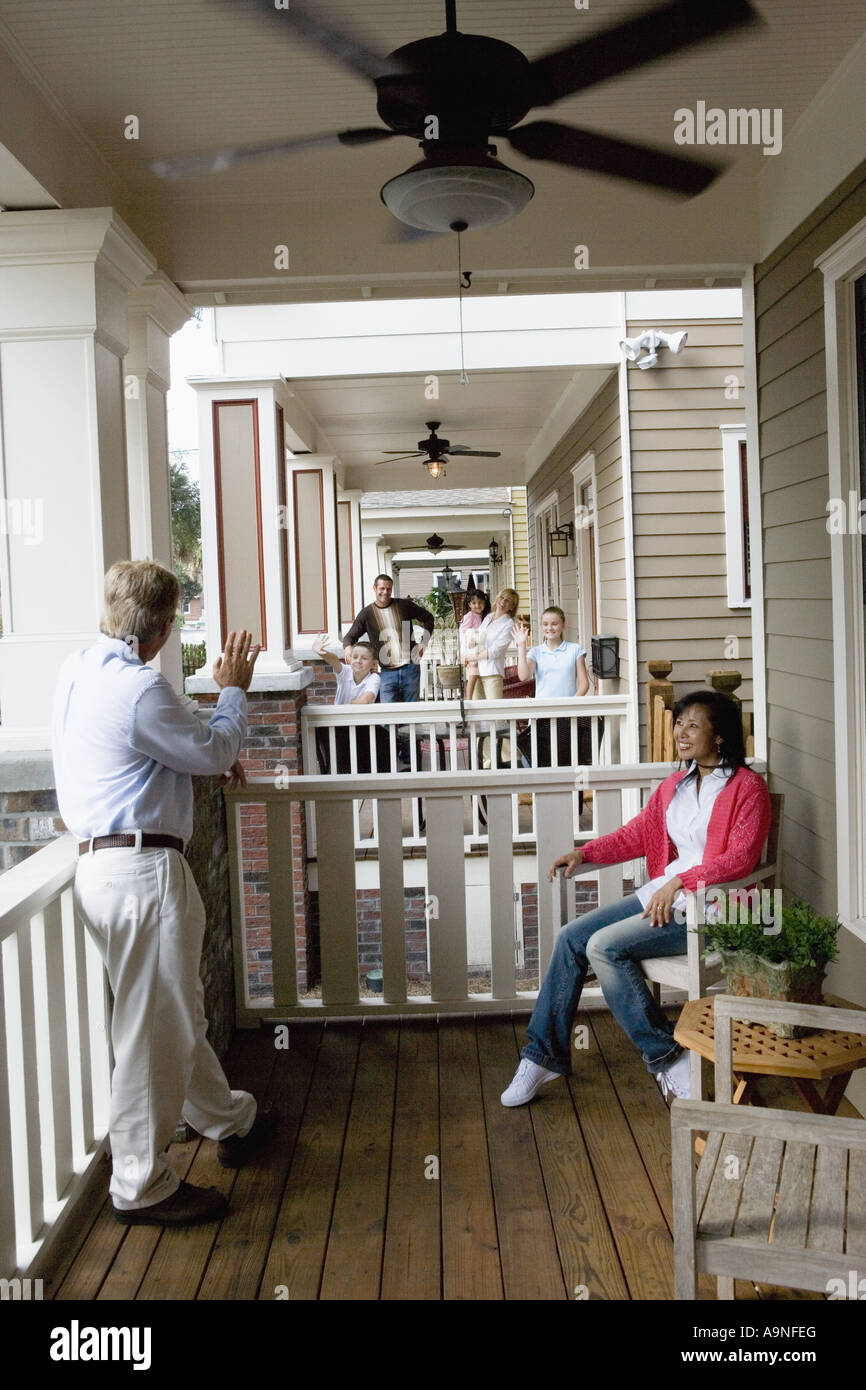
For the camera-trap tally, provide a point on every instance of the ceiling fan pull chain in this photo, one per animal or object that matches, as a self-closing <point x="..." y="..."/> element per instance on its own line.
<point x="464" y="379"/>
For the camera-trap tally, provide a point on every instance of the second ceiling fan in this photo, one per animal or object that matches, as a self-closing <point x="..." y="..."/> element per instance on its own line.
<point x="437" y="451"/>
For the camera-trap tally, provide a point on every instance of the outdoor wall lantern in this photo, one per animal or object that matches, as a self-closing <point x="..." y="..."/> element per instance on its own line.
<point x="559" y="539"/>
<point x="605" y="658"/>
<point x="493" y="552"/>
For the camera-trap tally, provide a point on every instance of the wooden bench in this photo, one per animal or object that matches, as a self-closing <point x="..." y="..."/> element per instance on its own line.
<point x="779" y="1196"/>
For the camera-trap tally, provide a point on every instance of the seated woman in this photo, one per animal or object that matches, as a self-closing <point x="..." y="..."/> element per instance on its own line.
<point x="494" y="639"/>
<point x="702" y="826"/>
<point x="558" y="668"/>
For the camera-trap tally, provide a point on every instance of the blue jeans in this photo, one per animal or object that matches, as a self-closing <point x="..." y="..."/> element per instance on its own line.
<point x="611" y="938"/>
<point x="400" y="684"/>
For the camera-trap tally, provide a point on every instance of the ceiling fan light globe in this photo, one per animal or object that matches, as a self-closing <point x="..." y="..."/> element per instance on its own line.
<point x="433" y="198"/>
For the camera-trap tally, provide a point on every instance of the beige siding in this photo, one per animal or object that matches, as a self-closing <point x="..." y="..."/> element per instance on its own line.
<point x="675" y="411"/>
<point x="795" y="490"/>
<point x="520" y="547"/>
<point x="597" y="430"/>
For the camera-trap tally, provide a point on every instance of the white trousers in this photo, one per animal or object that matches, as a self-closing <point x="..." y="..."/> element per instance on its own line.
<point x="144" y="911"/>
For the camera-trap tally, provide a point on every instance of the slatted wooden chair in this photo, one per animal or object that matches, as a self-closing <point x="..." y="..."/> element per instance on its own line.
<point x="691" y="972"/>
<point x="779" y="1196"/>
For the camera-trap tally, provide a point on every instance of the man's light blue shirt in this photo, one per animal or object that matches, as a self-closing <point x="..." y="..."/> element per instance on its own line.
<point x="125" y="744"/>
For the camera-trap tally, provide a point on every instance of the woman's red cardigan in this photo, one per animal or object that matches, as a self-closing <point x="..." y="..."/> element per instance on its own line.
<point x="739" y="824"/>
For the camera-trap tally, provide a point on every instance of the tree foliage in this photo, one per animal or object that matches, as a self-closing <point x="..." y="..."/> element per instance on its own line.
<point x="185" y="528"/>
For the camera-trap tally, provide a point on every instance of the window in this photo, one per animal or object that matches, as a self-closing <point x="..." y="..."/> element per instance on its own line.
<point x="586" y="550"/>
<point x="548" y="569"/>
<point x="736" y="480"/>
<point x="844" y="269"/>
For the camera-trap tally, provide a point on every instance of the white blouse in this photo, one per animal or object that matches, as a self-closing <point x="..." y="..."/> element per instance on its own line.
<point x="494" y="639"/>
<point x="688" y="820"/>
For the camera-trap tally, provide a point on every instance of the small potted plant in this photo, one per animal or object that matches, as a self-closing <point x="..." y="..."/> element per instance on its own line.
<point x="787" y="962"/>
<point x="446" y="639"/>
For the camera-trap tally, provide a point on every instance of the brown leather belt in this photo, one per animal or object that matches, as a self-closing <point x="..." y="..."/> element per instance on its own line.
<point x="148" y="841"/>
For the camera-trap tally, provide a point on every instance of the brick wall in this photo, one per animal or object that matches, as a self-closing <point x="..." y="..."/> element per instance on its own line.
<point x="28" y="820"/>
<point x="273" y="749"/>
<point x="208" y="858"/>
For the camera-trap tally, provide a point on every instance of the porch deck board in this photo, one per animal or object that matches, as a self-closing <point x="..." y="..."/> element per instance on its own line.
<point x="412" y="1265"/>
<point x="569" y="1197"/>
<point x="527" y="1244"/>
<point x="587" y="1251"/>
<point x="641" y="1233"/>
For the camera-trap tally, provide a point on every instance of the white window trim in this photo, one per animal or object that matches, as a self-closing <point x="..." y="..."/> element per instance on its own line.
<point x="732" y="437"/>
<point x="841" y="265"/>
<point x="551" y="501"/>
<point x="584" y="472"/>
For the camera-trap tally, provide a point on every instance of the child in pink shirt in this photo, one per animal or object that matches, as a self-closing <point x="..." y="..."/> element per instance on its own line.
<point x="476" y="612"/>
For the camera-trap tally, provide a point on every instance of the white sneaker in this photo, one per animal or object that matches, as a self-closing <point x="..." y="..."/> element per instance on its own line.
<point x="528" y="1079"/>
<point x="676" y="1080"/>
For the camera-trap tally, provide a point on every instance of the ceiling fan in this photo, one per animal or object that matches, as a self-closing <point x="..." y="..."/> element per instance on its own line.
<point x="438" y="451"/>
<point x="452" y="92"/>
<point x="434" y="544"/>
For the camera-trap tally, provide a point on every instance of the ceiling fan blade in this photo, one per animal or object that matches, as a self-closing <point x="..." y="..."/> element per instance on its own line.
<point x="218" y="161"/>
<point x="458" y="452"/>
<point x="379" y="462"/>
<point x="600" y="154"/>
<point x="416" y="454"/>
<point x="661" y="31"/>
<point x="340" y="43"/>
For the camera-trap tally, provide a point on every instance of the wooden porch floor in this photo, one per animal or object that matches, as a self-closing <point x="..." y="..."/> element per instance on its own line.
<point x="568" y="1197"/>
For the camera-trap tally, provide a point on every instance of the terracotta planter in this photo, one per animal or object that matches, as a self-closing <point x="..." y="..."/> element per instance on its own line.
<point x="754" y="977"/>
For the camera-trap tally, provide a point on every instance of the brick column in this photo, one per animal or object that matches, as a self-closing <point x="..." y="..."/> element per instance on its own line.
<point x="272" y="749"/>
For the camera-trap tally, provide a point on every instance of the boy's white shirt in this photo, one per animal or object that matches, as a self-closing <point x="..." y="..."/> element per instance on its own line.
<point x="349" y="690"/>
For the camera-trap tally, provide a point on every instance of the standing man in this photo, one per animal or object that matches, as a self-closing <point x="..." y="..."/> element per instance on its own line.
<point x="387" y="623"/>
<point x="125" y="747"/>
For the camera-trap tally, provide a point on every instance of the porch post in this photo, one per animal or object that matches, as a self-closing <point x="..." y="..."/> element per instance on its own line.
<point x="64" y="280"/>
<point x="245" y="428"/>
<point x="313" y="550"/>
<point x="157" y="309"/>
<point x="352" y="578"/>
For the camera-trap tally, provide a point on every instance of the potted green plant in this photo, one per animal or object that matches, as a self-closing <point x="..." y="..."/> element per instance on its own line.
<point x="446" y="639"/>
<point x="788" y="961"/>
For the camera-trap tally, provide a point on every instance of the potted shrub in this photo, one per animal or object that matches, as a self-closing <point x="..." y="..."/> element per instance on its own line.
<point x="788" y="962"/>
<point x="446" y="641"/>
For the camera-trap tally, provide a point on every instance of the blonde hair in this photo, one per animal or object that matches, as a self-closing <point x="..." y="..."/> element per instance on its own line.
<point x="508" y="593"/>
<point x="141" y="596"/>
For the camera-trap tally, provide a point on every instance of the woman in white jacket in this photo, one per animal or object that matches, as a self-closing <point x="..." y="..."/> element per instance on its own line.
<point x="494" y="639"/>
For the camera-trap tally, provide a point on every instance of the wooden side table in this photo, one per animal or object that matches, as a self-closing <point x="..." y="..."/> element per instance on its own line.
<point x="828" y="1056"/>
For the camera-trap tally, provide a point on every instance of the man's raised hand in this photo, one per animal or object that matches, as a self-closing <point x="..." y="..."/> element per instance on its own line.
<point x="235" y="665"/>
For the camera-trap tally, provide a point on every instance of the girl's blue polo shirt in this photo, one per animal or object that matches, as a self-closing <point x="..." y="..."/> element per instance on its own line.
<point x="554" y="670"/>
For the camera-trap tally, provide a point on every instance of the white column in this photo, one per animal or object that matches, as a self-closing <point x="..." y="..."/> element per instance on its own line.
<point x="64" y="280"/>
<point x="313" y="525"/>
<point x="353" y="497"/>
<point x="157" y="309"/>
<point x="246" y="510"/>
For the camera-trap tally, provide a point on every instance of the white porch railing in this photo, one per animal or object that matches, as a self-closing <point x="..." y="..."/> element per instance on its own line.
<point x="429" y="736"/>
<point x="616" y="790"/>
<point x="54" y="1055"/>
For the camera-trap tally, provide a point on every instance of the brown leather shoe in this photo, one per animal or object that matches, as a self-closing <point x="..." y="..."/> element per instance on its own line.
<point x="189" y="1206"/>
<point x="234" y="1151"/>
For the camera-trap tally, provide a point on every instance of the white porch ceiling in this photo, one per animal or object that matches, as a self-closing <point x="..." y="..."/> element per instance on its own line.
<point x="504" y="410"/>
<point x="204" y="74"/>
